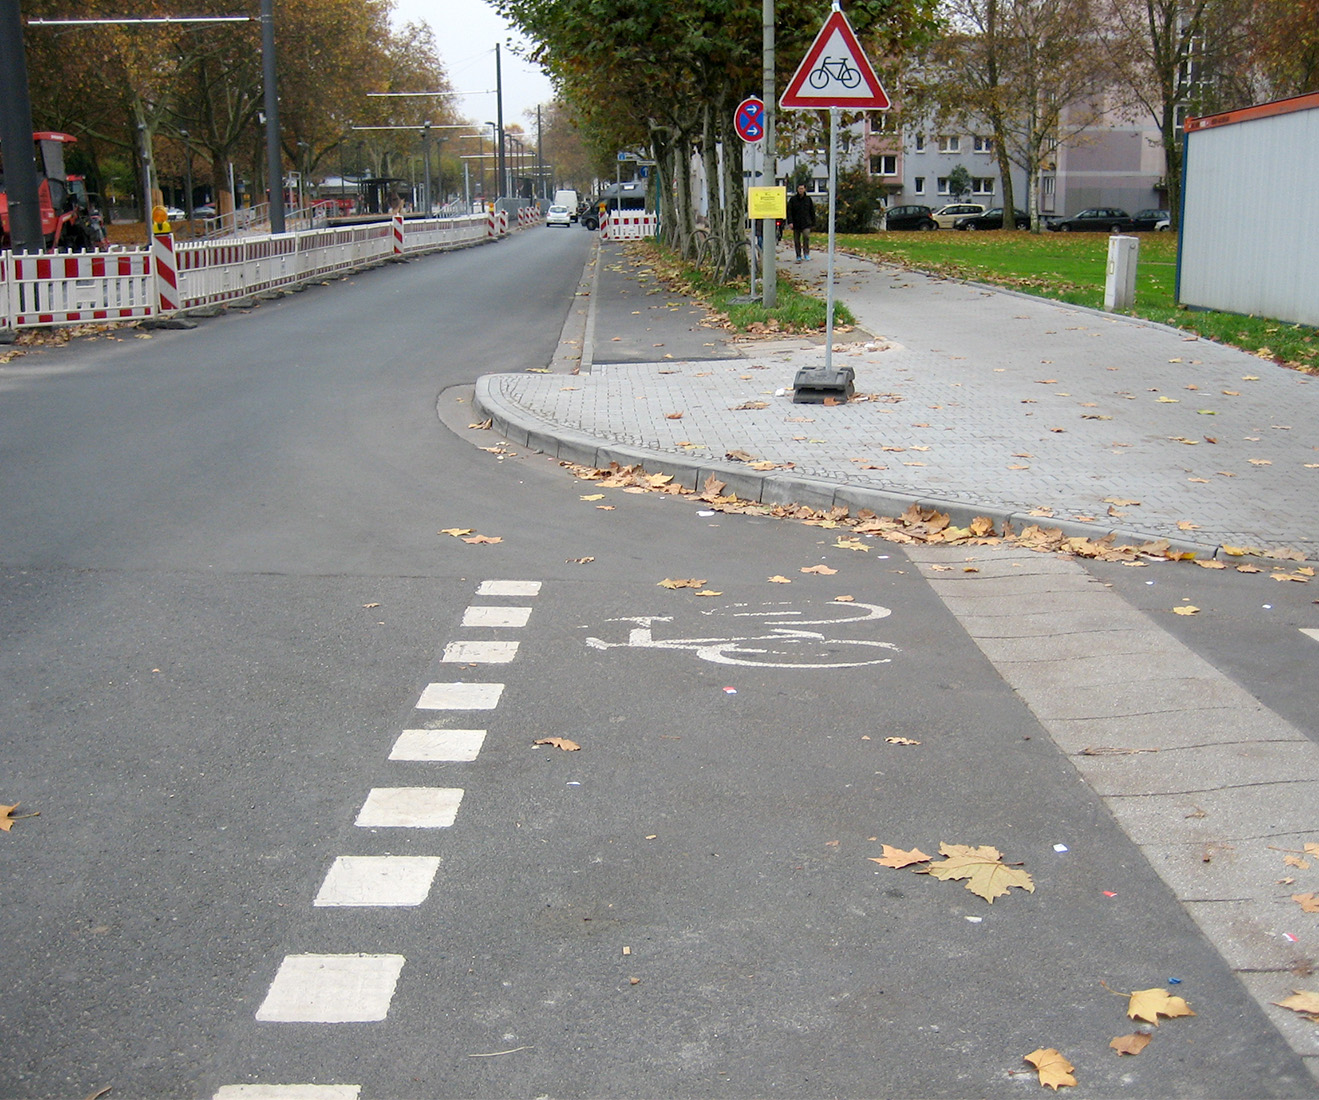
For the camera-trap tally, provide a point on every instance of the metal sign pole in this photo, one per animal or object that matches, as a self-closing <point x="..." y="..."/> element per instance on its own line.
<point x="751" y="222"/>
<point x="833" y="206"/>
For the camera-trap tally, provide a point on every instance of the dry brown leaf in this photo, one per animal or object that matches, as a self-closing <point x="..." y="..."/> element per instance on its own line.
<point x="592" y="496"/>
<point x="983" y="869"/>
<point x="558" y="743"/>
<point x="776" y="579"/>
<point x="578" y="561"/>
<point x="822" y="570"/>
<point x="844" y="599"/>
<point x="673" y="416"/>
<point x="896" y="857"/>
<point x="1309" y="903"/>
<point x="1055" y="1071"/>
<point x="739" y="456"/>
<point x="1150" y="1004"/>
<point x="7" y="822"/>
<point x="1302" y="1000"/>
<point x="482" y="539"/>
<point x="1186" y="609"/>
<point x="708" y="592"/>
<point x="1311" y="849"/>
<point x="1130" y="1044"/>
<point x="1203" y="564"/>
<point x="901" y="741"/>
<point x="1296" y="861"/>
<point x="851" y="544"/>
<point x="690" y="582"/>
<point x="457" y="532"/>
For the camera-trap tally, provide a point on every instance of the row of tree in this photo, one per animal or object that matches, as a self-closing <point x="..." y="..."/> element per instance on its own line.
<point x="171" y="91"/>
<point x="1031" y="74"/>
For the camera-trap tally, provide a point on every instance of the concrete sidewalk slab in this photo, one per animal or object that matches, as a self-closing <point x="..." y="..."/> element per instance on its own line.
<point x="974" y="401"/>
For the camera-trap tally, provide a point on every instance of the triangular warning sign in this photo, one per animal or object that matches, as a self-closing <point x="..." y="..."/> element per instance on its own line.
<point x="835" y="73"/>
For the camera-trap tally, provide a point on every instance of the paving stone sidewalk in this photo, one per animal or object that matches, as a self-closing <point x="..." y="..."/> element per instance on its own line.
<point x="976" y="401"/>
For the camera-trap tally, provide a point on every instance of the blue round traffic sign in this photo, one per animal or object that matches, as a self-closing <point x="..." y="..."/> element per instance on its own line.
<point x="749" y="119"/>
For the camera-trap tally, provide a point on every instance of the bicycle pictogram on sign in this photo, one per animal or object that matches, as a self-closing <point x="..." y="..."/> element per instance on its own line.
<point x="834" y="68"/>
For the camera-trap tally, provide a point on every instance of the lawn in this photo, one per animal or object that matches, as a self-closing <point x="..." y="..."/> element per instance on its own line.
<point x="1071" y="267"/>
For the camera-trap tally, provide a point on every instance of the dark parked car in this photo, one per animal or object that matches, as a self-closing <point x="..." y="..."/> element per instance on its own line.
<point x="1148" y="219"/>
<point x="910" y="217"/>
<point x="1098" y="219"/>
<point x="992" y="219"/>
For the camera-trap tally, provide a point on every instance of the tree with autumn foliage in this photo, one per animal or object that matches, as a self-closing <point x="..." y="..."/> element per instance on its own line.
<point x="668" y="77"/>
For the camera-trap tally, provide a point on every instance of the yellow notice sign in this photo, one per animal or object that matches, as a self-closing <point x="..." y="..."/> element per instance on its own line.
<point x="767" y="202"/>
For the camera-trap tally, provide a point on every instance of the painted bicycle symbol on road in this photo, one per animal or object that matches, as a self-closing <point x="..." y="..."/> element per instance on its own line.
<point x="777" y="640"/>
<point x="834" y="68"/>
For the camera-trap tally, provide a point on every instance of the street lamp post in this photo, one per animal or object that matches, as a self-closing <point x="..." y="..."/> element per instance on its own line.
<point x="187" y="206"/>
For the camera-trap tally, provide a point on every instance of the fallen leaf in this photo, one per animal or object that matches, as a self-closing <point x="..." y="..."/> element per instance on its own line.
<point x="1055" y="1071"/>
<point x="844" y="599"/>
<point x="1186" y="609"/>
<point x="1150" y="1004"/>
<point x="673" y="416"/>
<point x="1169" y="400"/>
<point x="1309" y="903"/>
<point x="688" y="583"/>
<point x="708" y="592"/>
<point x="776" y="579"/>
<point x="822" y="570"/>
<point x="1203" y="564"/>
<point x="896" y="857"/>
<point x="1296" y="861"/>
<point x="1302" y="1000"/>
<point x="483" y="539"/>
<point x="1130" y="1044"/>
<point x="901" y="741"/>
<point x="457" y="532"/>
<point x="593" y="496"/>
<point x="982" y="867"/>
<point x="558" y="743"/>
<point x="851" y="544"/>
<point x="364" y="605"/>
<point x="579" y="561"/>
<point x="7" y="822"/>
<point x="1187" y="525"/>
<point x="739" y="456"/>
<point x="1260" y="461"/>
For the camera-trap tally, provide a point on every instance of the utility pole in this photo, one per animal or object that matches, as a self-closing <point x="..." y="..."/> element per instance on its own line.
<point x="500" y="184"/>
<point x="21" y="182"/>
<point x="274" y="166"/>
<point x="769" y="289"/>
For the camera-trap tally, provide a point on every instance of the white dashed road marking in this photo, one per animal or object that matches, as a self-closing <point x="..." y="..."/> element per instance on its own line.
<point x="480" y="653"/>
<point x="378" y="880"/>
<point x="288" y="1092"/>
<point x="460" y="696"/>
<point x="410" y="807"/>
<point x="508" y="588"/>
<point x="331" y="989"/>
<point x="449" y="745"/>
<point x="493" y="615"/>
<point x="1310" y="632"/>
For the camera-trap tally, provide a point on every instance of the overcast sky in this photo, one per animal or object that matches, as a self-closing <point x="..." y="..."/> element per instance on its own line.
<point x="466" y="32"/>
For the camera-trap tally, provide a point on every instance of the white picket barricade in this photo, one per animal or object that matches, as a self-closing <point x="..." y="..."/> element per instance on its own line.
<point x="628" y="225"/>
<point x="70" y="289"/>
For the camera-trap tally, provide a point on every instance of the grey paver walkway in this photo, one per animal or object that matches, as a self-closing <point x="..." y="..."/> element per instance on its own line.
<point x="982" y="402"/>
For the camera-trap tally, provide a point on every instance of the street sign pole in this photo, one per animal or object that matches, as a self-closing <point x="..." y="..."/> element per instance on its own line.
<point x="833" y="211"/>
<point x="769" y="292"/>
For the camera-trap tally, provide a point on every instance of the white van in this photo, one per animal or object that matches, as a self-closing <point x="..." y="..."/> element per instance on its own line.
<point x="568" y="199"/>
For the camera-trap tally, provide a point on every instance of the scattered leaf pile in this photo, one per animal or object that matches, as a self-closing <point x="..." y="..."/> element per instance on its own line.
<point x="915" y="525"/>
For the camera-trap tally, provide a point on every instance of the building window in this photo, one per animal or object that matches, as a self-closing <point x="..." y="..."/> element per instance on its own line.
<point x="1047" y="185"/>
<point x="919" y="143"/>
<point x="950" y="143"/>
<point x="982" y="185"/>
<point x="941" y="185"/>
<point x="983" y="144"/>
<point x="920" y="185"/>
<point x="883" y="164"/>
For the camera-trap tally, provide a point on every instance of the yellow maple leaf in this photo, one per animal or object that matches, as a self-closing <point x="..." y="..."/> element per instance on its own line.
<point x="1311" y="848"/>
<point x="458" y="532"/>
<point x="982" y="868"/>
<point x="1130" y="1044"/>
<point x="1055" y="1071"/>
<point x="822" y="570"/>
<point x="1150" y="1004"/>
<point x="852" y="544"/>
<point x="1186" y="609"/>
<point x="896" y="857"/>
<point x="559" y="743"/>
<point x="1309" y="903"/>
<point x="7" y="822"/>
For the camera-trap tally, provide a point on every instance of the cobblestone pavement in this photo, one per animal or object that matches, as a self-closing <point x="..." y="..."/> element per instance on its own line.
<point x="975" y="401"/>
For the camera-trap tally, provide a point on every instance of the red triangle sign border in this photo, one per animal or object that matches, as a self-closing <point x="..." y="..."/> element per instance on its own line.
<point x="872" y="97"/>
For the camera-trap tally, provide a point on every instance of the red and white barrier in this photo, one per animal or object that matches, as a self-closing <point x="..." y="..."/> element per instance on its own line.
<point x="398" y="235"/>
<point x="167" y="273"/>
<point x="75" y="289"/>
<point x="626" y="225"/>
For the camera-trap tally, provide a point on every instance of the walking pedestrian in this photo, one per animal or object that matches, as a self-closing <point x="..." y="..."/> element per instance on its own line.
<point x="801" y="217"/>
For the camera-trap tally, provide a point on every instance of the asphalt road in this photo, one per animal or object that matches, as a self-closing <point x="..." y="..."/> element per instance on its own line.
<point x="223" y="592"/>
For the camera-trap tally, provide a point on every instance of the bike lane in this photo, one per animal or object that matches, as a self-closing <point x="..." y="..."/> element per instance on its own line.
<point x="689" y="897"/>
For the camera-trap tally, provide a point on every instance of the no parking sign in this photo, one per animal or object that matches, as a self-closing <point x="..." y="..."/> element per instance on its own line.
<point x="749" y="119"/>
